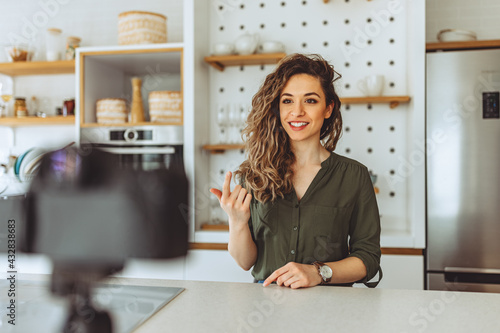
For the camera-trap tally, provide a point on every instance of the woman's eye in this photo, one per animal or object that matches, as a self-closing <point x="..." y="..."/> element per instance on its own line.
<point x="311" y="101"/>
<point x="286" y="101"/>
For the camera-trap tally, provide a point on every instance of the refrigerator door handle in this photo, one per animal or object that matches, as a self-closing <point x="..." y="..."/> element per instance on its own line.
<point x="471" y="270"/>
<point x="139" y="150"/>
<point x="466" y="275"/>
<point x="472" y="287"/>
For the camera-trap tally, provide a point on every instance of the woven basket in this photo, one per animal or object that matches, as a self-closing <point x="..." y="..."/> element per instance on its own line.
<point x="165" y="107"/>
<point x="111" y="111"/>
<point x="137" y="27"/>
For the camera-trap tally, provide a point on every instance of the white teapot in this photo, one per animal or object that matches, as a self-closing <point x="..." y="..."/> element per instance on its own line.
<point x="246" y="44"/>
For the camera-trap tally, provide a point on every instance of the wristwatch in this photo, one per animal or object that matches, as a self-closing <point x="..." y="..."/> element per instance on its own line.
<point x="324" y="271"/>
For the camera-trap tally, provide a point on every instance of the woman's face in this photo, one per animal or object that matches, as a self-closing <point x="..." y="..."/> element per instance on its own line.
<point x="303" y="108"/>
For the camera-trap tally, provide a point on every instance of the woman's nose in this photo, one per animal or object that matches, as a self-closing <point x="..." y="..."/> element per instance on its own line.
<point x="297" y="110"/>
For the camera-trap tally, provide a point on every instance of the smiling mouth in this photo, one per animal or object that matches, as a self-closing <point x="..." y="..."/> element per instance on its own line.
<point x="298" y="124"/>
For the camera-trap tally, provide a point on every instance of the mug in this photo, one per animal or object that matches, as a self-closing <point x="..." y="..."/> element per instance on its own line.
<point x="372" y="85"/>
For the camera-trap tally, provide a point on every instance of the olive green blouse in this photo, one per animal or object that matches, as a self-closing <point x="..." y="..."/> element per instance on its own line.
<point x="336" y="218"/>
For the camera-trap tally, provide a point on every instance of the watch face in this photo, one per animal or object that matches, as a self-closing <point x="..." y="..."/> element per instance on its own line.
<point x="326" y="272"/>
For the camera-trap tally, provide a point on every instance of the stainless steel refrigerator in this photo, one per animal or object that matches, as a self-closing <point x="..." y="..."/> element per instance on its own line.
<point x="463" y="171"/>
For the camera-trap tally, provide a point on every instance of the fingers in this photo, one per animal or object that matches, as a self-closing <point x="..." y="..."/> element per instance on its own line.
<point x="248" y="200"/>
<point x="217" y="193"/>
<point x="242" y="195"/>
<point x="274" y="276"/>
<point x="292" y="275"/>
<point x="226" y="189"/>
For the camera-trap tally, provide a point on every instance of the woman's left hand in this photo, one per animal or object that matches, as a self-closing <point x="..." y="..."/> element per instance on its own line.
<point x="295" y="276"/>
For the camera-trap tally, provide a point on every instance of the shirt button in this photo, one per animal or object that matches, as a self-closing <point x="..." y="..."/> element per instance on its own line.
<point x="292" y="252"/>
<point x="295" y="228"/>
<point x="297" y="206"/>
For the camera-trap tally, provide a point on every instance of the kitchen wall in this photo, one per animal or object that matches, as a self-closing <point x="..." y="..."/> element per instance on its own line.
<point x="96" y="22"/>
<point x="359" y="38"/>
<point x="482" y="17"/>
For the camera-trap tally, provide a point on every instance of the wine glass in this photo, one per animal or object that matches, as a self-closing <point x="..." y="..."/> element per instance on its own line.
<point x="243" y="117"/>
<point x="234" y="118"/>
<point x="222" y="121"/>
<point x="6" y="92"/>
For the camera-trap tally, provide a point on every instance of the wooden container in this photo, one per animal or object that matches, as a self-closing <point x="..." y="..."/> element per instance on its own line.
<point x="136" y="27"/>
<point x="165" y="107"/>
<point x="111" y="111"/>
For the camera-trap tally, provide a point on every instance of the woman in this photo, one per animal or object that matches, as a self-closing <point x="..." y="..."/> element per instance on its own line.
<point x="303" y="215"/>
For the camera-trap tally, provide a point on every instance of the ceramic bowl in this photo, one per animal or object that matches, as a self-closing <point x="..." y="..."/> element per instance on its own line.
<point x="223" y="48"/>
<point x="272" y="47"/>
<point x="456" y="35"/>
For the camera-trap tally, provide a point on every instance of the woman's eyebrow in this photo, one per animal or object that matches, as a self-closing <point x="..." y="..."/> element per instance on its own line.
<point x="308" y="94"/>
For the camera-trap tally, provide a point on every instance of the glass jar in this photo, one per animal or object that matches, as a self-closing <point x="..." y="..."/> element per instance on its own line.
<point x="68" y="107"/>
<point x="71" y="44"/>
<point x="20" y="107"/>
<point x="53" y="44"/>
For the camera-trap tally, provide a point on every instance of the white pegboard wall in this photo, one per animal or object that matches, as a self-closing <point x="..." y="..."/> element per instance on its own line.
<point x="359" y="38"/>
<point x="375" y="135"/>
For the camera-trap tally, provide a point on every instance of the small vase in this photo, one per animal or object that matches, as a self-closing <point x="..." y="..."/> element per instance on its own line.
<point x="137" y="109"/>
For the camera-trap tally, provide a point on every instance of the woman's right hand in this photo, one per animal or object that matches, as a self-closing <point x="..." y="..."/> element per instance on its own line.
<point x="236" y="204"/>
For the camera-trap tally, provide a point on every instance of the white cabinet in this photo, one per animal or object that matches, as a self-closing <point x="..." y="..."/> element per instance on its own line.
<point x="214" y="265"/>
<point x="401" y="272"/>
<point x="172" y="269"/>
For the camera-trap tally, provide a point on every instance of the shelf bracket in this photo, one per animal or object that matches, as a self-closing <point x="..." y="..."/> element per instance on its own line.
<point x="393" y="104"/>
<point x="217" y="65"/>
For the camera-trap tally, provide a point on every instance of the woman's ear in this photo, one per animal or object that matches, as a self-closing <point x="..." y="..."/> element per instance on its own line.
<point x="329" y="110"/>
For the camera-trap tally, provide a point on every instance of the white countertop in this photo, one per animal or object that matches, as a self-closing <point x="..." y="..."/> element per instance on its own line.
<point x="247" y="307"/>
<point x="250" y="307"/>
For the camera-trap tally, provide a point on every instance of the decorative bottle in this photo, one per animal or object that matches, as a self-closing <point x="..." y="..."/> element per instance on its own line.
<point x="137" y="109"/>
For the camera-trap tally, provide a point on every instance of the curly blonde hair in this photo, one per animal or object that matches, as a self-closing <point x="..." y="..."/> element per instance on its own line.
<point x="267" y="172"/>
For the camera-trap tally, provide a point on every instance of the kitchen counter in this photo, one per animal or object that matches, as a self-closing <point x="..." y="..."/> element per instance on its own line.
<point x="249" y="307"/>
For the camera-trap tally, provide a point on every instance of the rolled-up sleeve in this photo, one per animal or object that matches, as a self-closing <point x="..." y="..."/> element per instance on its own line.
<point x="364" y="228"/>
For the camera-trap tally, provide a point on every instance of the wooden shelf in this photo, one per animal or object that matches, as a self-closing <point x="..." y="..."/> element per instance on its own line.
<point x="327" y="1"/>
<point x="215" y="227"/>
<point x="459" y="46"/>
<point x="37" y="67"/>
<point x="221" y="62"/>
<point x="219" y="149"/>
<point x="392" y="100"/>
<point x="145" y="123"/>
<point x="37" y="121"/>
<point x="385" y="250"/>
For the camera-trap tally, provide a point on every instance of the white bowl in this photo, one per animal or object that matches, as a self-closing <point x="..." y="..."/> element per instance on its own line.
<point x="456" y="35"/>
<point x="223" y="48"/>
<point x="272" y="47"/>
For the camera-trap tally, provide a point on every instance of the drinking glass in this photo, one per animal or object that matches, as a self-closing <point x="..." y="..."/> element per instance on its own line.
<point x="222" y="122"/>
<point x="234" y="120"/>
<point x="6" y="92"/>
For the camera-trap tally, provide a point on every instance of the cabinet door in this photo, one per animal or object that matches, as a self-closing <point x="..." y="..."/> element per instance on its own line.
<point x="214" y="265"/>
<point x="172" y="269"/>
<point x="401" y="272"/>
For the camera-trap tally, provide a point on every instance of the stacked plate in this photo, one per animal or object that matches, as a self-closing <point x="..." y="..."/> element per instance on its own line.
<point x="27" y="164"/>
